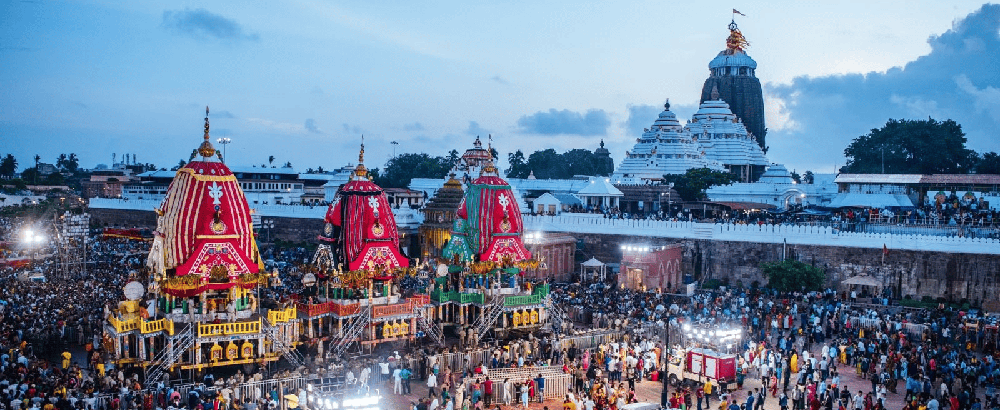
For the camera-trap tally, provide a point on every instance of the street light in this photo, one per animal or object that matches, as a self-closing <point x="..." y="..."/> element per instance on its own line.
<point x="224" y="141"/>
<point x="268" y="223"/>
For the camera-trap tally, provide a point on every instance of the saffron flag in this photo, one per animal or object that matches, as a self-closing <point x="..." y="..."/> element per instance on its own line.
<point x="738" y="12"/>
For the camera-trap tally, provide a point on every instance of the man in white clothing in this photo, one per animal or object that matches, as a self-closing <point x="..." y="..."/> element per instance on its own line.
<point x="397" y="381"/>
<point x="431" y="384"/>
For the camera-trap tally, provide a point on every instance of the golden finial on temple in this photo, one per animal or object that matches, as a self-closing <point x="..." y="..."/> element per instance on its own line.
<point x="206" y="149"/>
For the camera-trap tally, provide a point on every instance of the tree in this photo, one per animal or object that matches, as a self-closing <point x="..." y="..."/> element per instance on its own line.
<point x="8" y="166"/>
<point x="911" y="147"/>
<point x="401" y="169"/>
<point x="989" y="163"/>
<point x="37" y="158"/>
<point x="796" y="177"/>
<point x="792" y="276"/>
<point x="546" y="164"/>
<point x="518" y="165"/>
<point x="68" y="163"/>
<point x="453" y="158"/>
<point x="287" y="164"/>
<point x="692" y="184"/>
<point x="808" y="177"/>
<point x="180" y="164"/>
<point x="270" y="160"/>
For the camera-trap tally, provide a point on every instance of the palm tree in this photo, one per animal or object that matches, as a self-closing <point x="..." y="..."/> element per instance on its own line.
<point x="270" y="160"/>
<point x="37" y="158"/>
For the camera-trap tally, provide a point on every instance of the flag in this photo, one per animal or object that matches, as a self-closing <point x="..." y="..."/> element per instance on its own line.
<point x="738" y="12"/>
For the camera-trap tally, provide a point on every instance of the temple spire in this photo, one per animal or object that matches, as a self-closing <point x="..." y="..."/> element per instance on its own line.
<point x="715" y="92"/>
<point x="206" y="149"/>
<point x="360" y="171"/>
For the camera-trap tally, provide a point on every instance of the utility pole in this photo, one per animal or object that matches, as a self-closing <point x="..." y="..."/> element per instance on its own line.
<point x="664" y="395"/>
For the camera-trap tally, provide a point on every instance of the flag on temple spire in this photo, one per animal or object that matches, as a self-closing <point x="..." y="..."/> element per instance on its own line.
<point x="738" y="12"/>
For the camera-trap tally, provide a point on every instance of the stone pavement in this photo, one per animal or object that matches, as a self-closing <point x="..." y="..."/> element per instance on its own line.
<point x="649" y="391"/>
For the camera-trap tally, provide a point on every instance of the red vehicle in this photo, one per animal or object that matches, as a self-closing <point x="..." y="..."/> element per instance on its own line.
<point x="694" y="366"/>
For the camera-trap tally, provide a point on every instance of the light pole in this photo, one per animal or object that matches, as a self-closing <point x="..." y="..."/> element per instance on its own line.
<point x="268" y="223"/>
<point x="224" y="141"/>
<point x="394" y="144"/>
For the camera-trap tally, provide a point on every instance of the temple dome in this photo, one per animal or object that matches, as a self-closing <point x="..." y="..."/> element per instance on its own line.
<point x="204" y="228"/>
<point x="734" y="59"/>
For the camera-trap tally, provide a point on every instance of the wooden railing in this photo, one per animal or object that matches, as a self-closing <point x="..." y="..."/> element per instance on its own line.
<point x="313" y="309"/>
<point x="344" y="310"/>
<point x="522" y="300"/>
<point x="124" y="325"/>
<point x="281" y="316"/>
<point x="470" y="298"/>
<point x="160" y="325"/>
<point x="235" y="328"/>
<point x="392" y="310"/>
<point x="420" y="300"/>
<point x="541" y="290"/>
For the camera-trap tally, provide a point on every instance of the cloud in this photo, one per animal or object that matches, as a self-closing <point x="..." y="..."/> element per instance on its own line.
<point x="283" y="127"/>
<point x="640" y="116"/>
<point x="201" y="23"/>
<point x="555" y="122"/>
<point x="812" y="119"/>
<point x="413" y="127"/>
<point x="310" y="126"/>
<point x="353" y="129"/>
<point x="475" y="129"/>
<point x="222" y="114"/>
<point x="500" y="80"/>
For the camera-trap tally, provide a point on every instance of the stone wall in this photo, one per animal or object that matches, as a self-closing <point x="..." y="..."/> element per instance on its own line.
<point x="954" y="276"/>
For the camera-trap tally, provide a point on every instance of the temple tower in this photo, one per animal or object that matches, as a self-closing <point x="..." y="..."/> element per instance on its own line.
<point x="734" y="74"/>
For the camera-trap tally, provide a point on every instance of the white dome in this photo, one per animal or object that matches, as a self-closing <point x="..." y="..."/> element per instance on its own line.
<point x="736" y="59"/>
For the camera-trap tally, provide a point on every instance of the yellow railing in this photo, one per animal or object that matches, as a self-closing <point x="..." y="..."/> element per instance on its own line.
<point x="282" y="316"/>
<point x="124" y="325"/>
<point x="166" y="325"/>
<point x="235" y="328"/>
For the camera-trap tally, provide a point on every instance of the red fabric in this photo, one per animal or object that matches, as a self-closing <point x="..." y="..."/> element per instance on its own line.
<point x="368" y="235"/>
<point x="189" y="211"/>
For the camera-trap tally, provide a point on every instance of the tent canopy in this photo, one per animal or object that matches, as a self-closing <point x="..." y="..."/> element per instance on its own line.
<point x="593" y="263"/>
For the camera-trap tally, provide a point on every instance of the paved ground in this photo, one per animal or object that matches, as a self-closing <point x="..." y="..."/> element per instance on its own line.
<point x="649" y="391"/>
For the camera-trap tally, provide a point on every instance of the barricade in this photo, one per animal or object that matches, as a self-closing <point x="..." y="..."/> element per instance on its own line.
<point x="557" y="383"/>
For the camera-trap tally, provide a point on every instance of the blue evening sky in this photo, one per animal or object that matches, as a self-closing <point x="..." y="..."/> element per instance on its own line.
<point x="303" y="80"/>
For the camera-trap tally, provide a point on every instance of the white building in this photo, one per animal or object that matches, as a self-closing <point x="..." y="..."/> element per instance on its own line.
<point x="665" y="148"/>
<point x="776" y="187"/>
<point x="724" y="139"/>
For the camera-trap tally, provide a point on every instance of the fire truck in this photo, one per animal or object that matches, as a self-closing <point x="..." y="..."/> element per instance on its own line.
<point x="694" y="366"/>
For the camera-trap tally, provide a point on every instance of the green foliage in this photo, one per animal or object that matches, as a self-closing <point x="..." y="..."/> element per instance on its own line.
<point x="796" y="177"/>
<point x="518" y="165"/>
<point x="68" y="163"/>
<point x="989" y="163"/>
<point x="401" y="169"/>
<point x="808" y="177"/>
<point x="8" y="166"/>
<point x="692" y="184"/>
<point x="911" y="147"/>
<point x="791" y="275"/>
<point x="548" y="164"/>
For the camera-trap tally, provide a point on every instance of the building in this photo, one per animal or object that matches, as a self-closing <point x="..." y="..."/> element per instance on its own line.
<point x="724" y="139"/>
<point x="107" y="183"/>
<point x="665" y="148"/>
<point x="972" y="191"/>
<point x="439" y="213"/>
<point x="651" y="268"/>
<point x="777" y="188"/>
<point x="556" y="254"/>
<point x="734" y="74"/>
